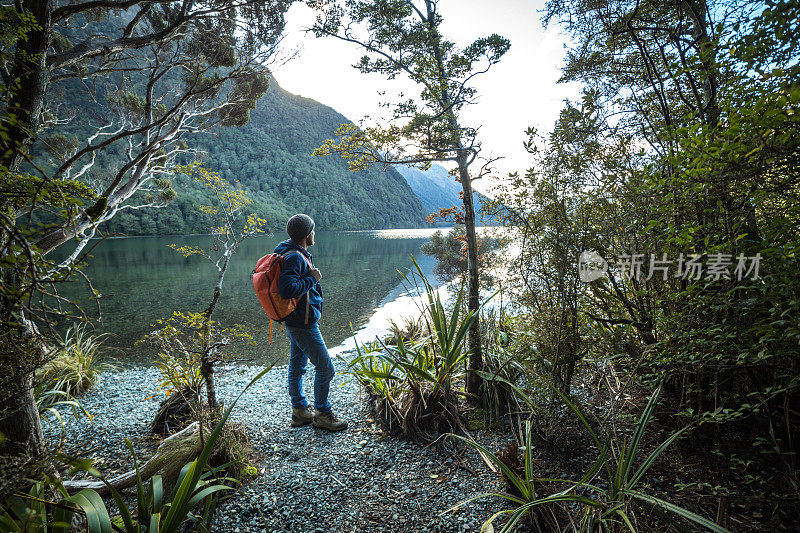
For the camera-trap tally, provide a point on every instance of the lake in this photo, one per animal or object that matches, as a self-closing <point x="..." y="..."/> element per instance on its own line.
<point x="142" y="280"/>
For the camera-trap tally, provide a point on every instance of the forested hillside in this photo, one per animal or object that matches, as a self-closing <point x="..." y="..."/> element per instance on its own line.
<point x="271" y="157"/>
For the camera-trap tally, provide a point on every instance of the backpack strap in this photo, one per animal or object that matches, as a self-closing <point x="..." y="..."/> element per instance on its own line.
<point x="290" y="252"/>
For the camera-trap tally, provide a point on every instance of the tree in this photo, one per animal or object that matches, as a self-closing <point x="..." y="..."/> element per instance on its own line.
<point x="403" y="38"/>
<point x="684" y="144"/>
<point x="230" y="200"/>
<point x="162" y="70"/>
<point x="450" y="251"/>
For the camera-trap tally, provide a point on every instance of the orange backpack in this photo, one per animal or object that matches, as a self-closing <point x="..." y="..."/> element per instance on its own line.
<point x="265" y="282"/>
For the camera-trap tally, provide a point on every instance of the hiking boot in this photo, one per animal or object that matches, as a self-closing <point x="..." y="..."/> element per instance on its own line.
<point x="302" y="416"/>
<point x="329" y="421"/>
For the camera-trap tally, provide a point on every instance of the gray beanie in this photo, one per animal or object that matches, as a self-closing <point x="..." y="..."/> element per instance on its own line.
<point x="299" y="227"/>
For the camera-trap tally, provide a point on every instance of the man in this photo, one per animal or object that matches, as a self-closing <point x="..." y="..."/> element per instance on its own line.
<point x="300" y="279"/>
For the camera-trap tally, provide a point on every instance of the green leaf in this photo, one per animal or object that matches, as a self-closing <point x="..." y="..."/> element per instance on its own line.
<point x="706" y="523"/>
<point x="97" y="519"/>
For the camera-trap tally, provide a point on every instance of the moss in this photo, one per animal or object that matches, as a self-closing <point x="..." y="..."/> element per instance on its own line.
<point x="235" y="450"/>
<point x="481" y="418"/>
<point x="477" y="420"/>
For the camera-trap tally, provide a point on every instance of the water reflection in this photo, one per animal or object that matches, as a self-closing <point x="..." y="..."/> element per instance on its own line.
<point x="142" y="280"/>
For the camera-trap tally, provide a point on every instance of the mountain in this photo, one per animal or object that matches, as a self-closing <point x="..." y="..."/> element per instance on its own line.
<point x="271" y="157"/>
<point x="436" y="188"/>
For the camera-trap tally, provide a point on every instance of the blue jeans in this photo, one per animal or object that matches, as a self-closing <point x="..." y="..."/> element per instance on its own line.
<point x="305" y="344"/>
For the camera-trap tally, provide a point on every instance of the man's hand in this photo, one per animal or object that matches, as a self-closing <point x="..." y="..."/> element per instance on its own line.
<point x="316" y="273"/>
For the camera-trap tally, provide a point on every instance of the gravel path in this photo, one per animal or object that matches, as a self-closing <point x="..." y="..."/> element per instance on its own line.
<point x="309" y="479"/>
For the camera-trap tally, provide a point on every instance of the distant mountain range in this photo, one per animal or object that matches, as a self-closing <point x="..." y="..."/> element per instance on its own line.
<point x="436" y="188"/>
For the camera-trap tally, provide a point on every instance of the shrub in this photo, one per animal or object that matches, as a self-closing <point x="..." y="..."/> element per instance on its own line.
<point x="413" y="387"/>
<point x="234" y="453"/>
<point x="73" y="370"/>
<point x="504" y="367"/>
<point x="450" y="251"/>
<point x="76" y="366"/>
<point x="605" y="505"/>
<point x="411" y="330"/>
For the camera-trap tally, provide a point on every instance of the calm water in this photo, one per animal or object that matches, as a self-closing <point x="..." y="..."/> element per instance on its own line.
<point x="142" y="280"/>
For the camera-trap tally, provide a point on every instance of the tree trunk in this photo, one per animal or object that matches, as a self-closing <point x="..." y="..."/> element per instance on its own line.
<point x="473" y="299"/>
<point x="31" y="74"/>
<point x="20" y="423"/>
<point x="172" y="455"/>
<point x="22" y="447"/>
<point x="207" y="365"/>
<point x="207" y="371"/>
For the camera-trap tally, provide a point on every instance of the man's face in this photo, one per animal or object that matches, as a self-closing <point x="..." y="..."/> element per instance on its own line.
<point x="310" y="238"/>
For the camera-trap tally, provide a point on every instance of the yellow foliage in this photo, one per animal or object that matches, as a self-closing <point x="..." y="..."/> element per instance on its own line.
<point x="354" y="146"/>
<point x="231" y="196"/>
<point x="187" y="251"/>
<point x="254" y="224"/>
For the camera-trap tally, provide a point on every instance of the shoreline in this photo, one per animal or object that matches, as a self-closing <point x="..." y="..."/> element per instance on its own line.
<point x="266" y="234"/>
<point x="309" y="480"/>
<point x="272" y="233"/>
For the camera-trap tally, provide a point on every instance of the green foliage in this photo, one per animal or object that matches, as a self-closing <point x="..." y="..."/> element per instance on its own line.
<point x="414" y="386"/>
<point x="76" y="366"/>
<point x="21" y="192"/>
<point x="246" y="92"/>
<point x="701" y="159"/>
<point x="156" y="508"/>
<point x="606" y="505"/>
<point x="51" y="398"/>
<point x="126" y="102"/>
<point x="74" y="369"/>
<point x="507" y="366"/>
<point x="179" y="371"/>
<point x="182" y="341"/>
<point x="450" y="252"/>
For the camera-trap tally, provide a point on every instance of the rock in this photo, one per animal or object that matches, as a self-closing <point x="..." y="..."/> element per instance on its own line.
<point x="308" y="480"/>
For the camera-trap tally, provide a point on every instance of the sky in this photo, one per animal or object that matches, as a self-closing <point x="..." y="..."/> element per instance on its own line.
<point x="519" y="92"/>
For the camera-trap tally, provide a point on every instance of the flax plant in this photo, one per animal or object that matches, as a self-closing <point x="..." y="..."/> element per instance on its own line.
<point x="414" y="386"/>
<point x="607" y="496"/>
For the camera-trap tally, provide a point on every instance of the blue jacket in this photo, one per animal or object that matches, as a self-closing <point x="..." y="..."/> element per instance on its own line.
<point x="296" y="281"/>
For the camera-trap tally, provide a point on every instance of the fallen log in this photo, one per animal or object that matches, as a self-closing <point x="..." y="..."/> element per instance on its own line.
<point x="172" y="455"/>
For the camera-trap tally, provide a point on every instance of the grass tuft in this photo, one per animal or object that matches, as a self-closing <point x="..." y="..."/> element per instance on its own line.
<point x="76" y="366"/>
